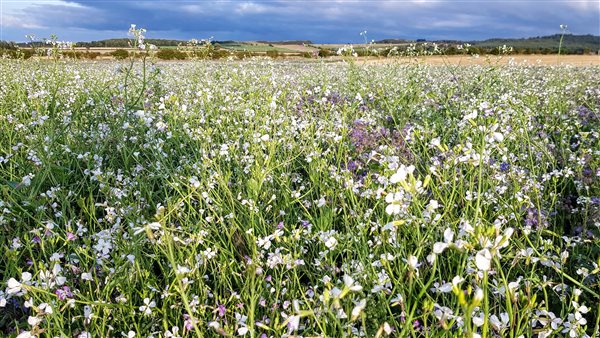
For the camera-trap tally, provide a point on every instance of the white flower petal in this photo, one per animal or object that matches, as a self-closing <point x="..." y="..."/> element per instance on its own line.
<point x="439" y="247"/>
<point x="483" y="260"/>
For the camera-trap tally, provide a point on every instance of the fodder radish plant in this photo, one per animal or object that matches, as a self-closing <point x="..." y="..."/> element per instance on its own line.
<point x="269" y="199"/>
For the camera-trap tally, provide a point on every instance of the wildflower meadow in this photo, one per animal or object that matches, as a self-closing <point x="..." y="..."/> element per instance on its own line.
<point x="292" y="198"/>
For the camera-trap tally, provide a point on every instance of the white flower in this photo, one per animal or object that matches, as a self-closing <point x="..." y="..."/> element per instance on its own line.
<point x="483" y="259"/>
<point x="457" y="280"/>
<point x="26" y="334"/>
<point x="439" y="247"/>
<point x="444" y="288"/>
<point x="500" y="324"/>
<point x="146" y="228"/>
<point x="293" y="323"/>
<point x="387" y="328"/>
<point x="173" y="333"/>
<point x="498" y="137"/>
<point x="471" y="116"/>
<point x="182" y="269"/>
<point x="331" y="242"/>
<point x="394" y="199"/>
<point x="478" y="296"/>
<point x="335" y="292"/>
<point x="45" y="308"/>
<point x="14" y="286"/>
<point x="401" y="173"/>
<point x="33" y="321"/>
<point x="147" y="307"/>
<point x="194" y="182"/>
<point x="356" y="311"/>
<point x="582" y="308"/>
<point x="26" y="181"/>
<point x="433" y="204"/>
<point x="349" y="283"/>
<point x="478" y="320"/>
<point x="413" y="262"/>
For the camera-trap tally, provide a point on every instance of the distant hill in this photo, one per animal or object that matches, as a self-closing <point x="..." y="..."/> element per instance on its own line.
<point x="396" y="41"/>
<point x="114" y="43"/>
<point x="124" y="43"/>
<point x="570" y="42"/>
<point x="287" y="42"/>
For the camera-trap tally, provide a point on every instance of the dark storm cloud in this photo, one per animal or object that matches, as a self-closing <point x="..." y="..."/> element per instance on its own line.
<point x="324" y="21"/>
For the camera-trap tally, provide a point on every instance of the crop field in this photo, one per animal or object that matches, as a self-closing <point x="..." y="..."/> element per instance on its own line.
<point x="257" y="47"/>
<point x="284" y="199"/>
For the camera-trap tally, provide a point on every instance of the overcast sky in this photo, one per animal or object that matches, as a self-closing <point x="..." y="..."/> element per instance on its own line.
<point x="316" y="20"/>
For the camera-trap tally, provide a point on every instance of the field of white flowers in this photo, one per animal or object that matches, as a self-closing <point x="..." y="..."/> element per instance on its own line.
<point x="271" y="199"/>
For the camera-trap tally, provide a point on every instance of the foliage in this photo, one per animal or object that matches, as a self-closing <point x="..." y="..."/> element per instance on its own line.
<point x="273" y="54"/>
<point x="323" y="53"/>
<point x="74" y="54"/>
<point x="120" y="54"/>
<point x="170" y="54"/>
<point x="17" y="53"/>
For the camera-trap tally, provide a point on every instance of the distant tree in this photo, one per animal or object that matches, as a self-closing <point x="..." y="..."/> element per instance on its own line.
<point x="170" y="54"/>
<point x="323" y="53"/>
<point x="120" y="54"/>
<point x="273" y="54"/>
<point x="451" y="51"/>
<point x="219" y="54"/>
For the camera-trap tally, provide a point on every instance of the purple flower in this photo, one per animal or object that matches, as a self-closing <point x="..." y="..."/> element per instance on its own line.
<point x="535" y="219"/>
<point x="221" y="310"/>
<point x="64" y="292"/>
<point x="71" y="236"/>
<point x="504" y="166"/>
<point x="188" y="323"/>
<point x="352" y="166"/>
